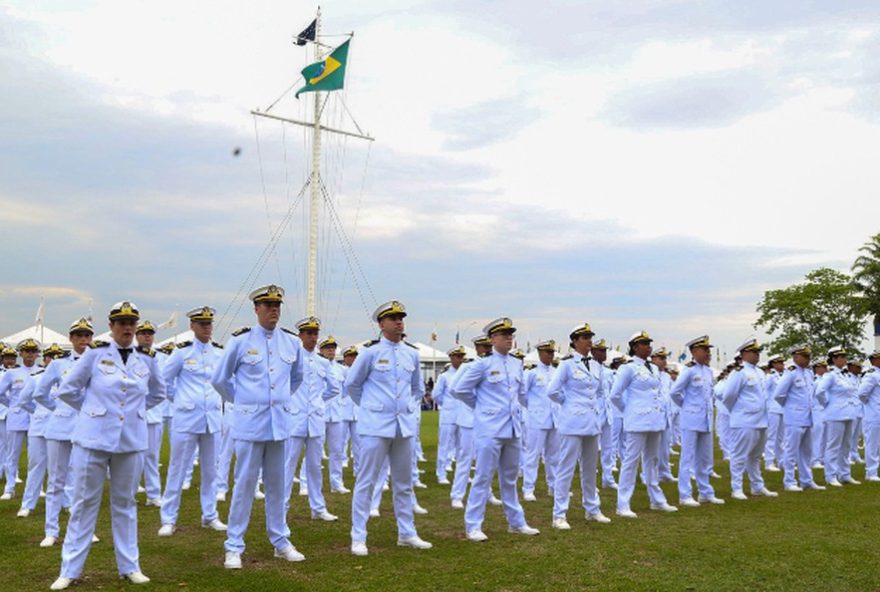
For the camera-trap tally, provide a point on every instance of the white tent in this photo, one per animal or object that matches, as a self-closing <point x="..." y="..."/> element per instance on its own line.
<point x="44" y="335"/>
<point x="187" y="335"/>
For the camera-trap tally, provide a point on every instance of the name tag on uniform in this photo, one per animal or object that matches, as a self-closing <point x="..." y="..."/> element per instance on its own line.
<point x="192" y="362"/>
<point x="494" y="372"/>
<point x="107" y="362"/>
<point x="698" y="379"/>
<point x="252" y="352"/>
<point x="382" y="361"/>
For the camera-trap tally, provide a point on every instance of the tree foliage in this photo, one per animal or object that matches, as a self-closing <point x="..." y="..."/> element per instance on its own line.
<point x="866" y="276"/>
<point x="825" y="310"/>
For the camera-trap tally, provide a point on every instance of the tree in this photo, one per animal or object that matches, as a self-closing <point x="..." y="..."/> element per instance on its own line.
<point x="866" y="277"/>
<point x="824" y="311"/>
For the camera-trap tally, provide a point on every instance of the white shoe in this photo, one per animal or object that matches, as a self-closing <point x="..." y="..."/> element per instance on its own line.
<point x="739" y="495"/>
<point x="443" y="481"/>
<point x="614" y="469"/>
<point x="385" y="486"/>
<point x="259" y="495"/>
<point x="141" y="489"/>
<point x="664" y="507"/>
<point x="154" y="502"/>
<point x="422" y="459"/>
<point x="835" y="483"/>
<point x="136" y="577"/>
<point x="872" y="478"/>
<point x="290" y="554"/>
<point x="457" y="504"/>
<point x="524" y="529"/>
<point x="95" y="539"/>
<point x="187" y="485"/>
<point x="325" y="516"/>
<point x="214" y="524"/>
<point x="494" y="500"/>
<point x="477" y="536"/>
<point x="818" y="465"/>
<point x="167" y="530"/>
<point x="295" y="479"/>
<point x="8" y="496"/>
<point x="49" y="541"/>
<point x="611" y="485"/>
<point x="689" y="502"/>
<point x="765" y="493"/>
<point x="772" y="467"/>
<point x="529" y="496"/>
<point x="420" y="485"/>
<point x="359" y="548"/>
<point x="793" y="488"/>
<point x="23" y="513"/>
<point x="714" y="475"/>
<point x="851" y="481"/>
<point x="61" y="584"/>
<point x="598" y="517"/>
<point x="414" y="542"/>
<point x="712" y="500"/>
<point x="221" y="496"/>
<point x="627" y="513"/>
<point x="417" y="509"/>
<point x="342" y="489"/>
<point x="374" y="513"/>
<point x="42" y="493"/>
<point x="232" y="561"/>
<point x="561" y="524"/>
<point x="303" y="491"/>
<point x="817" y="487"/>
<point x="18" y="481"/>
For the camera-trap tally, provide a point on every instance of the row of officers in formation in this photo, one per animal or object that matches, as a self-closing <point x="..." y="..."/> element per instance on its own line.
<point x="272" y="397"/>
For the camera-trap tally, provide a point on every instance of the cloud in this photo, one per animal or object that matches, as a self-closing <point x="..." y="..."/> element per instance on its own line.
<point x="485" y="123"/>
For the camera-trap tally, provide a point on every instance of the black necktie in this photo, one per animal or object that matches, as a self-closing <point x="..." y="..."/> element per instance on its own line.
<point x="648" y="366"/>
<point x="124" y="351"/>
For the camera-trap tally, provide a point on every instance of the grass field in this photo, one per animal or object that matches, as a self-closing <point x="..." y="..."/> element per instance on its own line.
<point x="800" y="541"/>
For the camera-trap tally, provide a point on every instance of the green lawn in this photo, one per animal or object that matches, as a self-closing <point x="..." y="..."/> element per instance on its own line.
<point x="799" y="541"/>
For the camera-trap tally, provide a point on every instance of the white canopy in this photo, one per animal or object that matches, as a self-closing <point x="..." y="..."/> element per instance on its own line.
<point x="44" y="335"/>
<point x="187" y="335"/>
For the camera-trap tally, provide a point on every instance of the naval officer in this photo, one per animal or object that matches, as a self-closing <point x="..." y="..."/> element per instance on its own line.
<point x="745" y="398"/>
<point x="197" y="420"/>
<point x="543" y="419"/>
<point x="692" y="392"/>
<point x="636" y="393"/>
<point x="449" y="433"/>
<point x="493" y="387"/>
<point x="869" y="393"/>
<point x="18" y="420"/>
<point x="582" y="415"/>
<point x="385" y="382"/>
<point x="259" y="370"/>
<point x="112" y="387"/>
<point x="839" y="395"/>
<point x="794" y="392"/>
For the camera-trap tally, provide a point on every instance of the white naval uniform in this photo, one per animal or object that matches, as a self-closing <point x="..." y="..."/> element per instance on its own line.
<point x="341" y="424"/>
<point x="607" y="444"/>
<point x="155" y="429"/>
<point x="464" y="455"/>
<point x="59" y="431"/>
<point x="692" y="393"/>
<point x="543" y="436"/>
<point x="869" y="393"/>
<point x="493" y="386"/>
<point x="839" y="396"/>
<point x="581" y="395"/>
<point x="794" y="392"/>
<point x="258" y="372"/>
<point x="385" y="381"/>
<point x="36" y="443"/>
<point x="636" y="393"/>
<point x="746" y="400"/>
<point x="197" y="421"/>
<point x="18" y="420"/>
<point x="449" y="434"/>
<point x="112" y="397"/>
<point x="773" y="449"/>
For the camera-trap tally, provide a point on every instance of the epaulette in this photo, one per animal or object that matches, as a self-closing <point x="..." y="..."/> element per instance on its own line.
<point x="99" y="344"/>
<point x="241" y="331"/>
<point x="691" y="364"/>
<point x="371" y="343"/>
<point x="568" y="357"/>
<point x="792" y="367"/>
<point x="410" y="344"/>
<point x="871" y="369"/>
<point x="184" y="344"/>
<point x="40" y="371"/>
<point x="217" y="345"/>
<point x="146" y="352"/>
<point x="288" y="331"/>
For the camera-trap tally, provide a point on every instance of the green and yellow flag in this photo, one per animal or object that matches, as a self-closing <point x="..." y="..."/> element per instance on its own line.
<point x="326" y="75"/>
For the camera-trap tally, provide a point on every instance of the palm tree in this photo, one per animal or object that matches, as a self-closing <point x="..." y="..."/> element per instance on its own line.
<point x="866" y="277"/>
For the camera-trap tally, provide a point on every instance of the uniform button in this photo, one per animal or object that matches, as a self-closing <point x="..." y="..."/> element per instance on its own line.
<point x="272" y="386"/>
<point x="123" y="389"/>
<point x="271" y="369"/>
<point x="121" y="418"/>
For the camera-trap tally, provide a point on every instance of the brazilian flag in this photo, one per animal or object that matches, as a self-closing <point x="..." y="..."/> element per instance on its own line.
<point x="326" y="75"/>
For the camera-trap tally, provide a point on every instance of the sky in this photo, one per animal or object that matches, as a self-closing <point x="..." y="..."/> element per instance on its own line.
<point x="651" y="165"/>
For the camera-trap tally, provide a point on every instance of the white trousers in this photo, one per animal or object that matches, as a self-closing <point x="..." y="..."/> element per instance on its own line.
<point x="775" y="439"/>
<point x="722" y="428"/>
<point x="696" y="460"/>
<point x="608" y="454"/>
<point x="797" y="453"/>
<point x="152" y="481"/>
<point x="854" y="440"/>
<point x="3" y="437"/>
<point x="314" y="451"/>
<point x="250" y="459"/>
<point x="224" y="458"/>
<point x="872" y="448"/>
<point x="541" y="444"/>
<point x="503" y="455"/>
<point x="464" y="459"/>
<point x="337" y="433"/>
<point x="183" y="445"/>
<point x="374" y="450"/>
<point x="747" y="446"/>
<point x="37" y="462"/>
<point x="14" y="443"/>
<point x="819" y="442"/>
<point x="58" y="464"/>
<point x="583" y="451"/>
<point x="839" y="437"/>
<point x="446" y="445"/>
<point x="644" y="445"/>
<point x="90" y="469"/>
